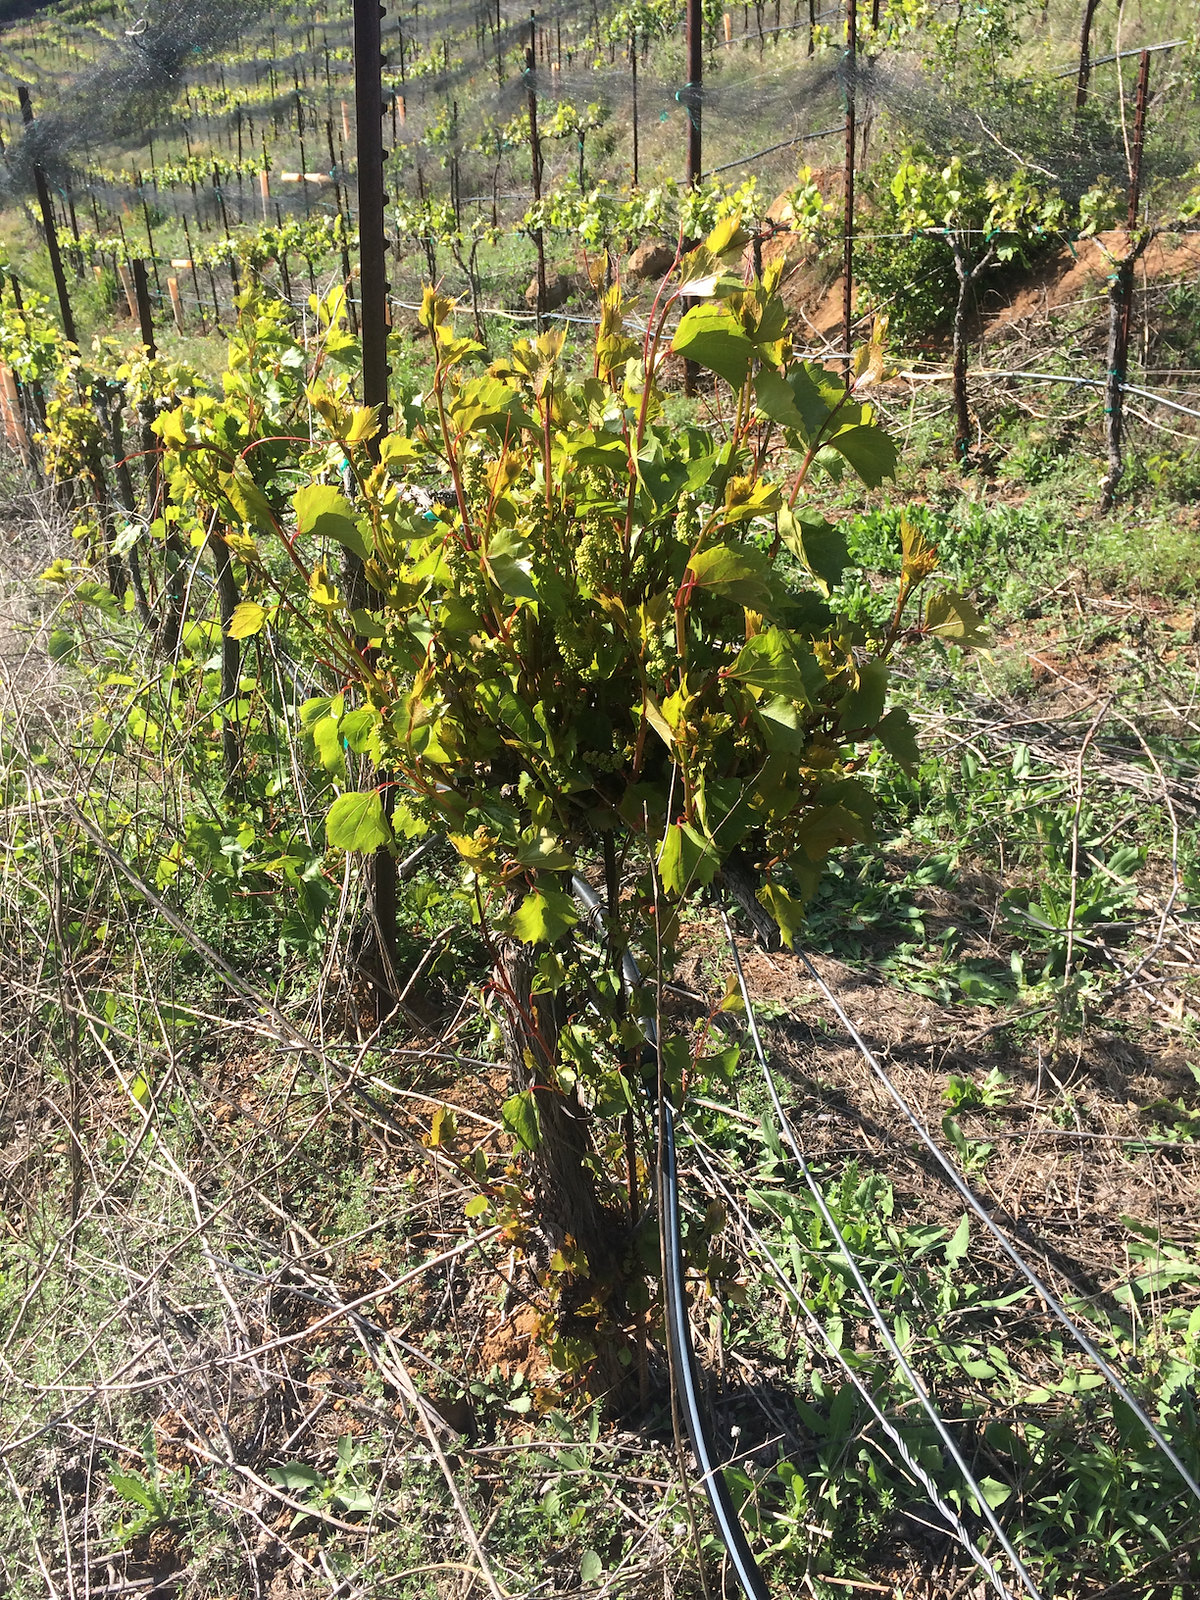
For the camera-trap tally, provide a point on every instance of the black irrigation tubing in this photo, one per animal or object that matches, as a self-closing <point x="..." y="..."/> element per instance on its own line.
<point x="968" y="1196"/>
<point x="679" y="1333"/>
<point x="784" y="144"/>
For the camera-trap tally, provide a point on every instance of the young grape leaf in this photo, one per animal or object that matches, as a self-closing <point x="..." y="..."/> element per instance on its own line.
<point x="817" y="543"/>
<point x="898" y="737"/>
<point x="740" y="574"/>
<point x="709" y="335"/>
<point x="951" y="617"/>
<point x="871" y="453"/>
<point x="787" y="911"/>
<point x="686" y="859"/>
<point x="520" y="1116"/>
<point x="326" y="514"/>
<point x="542" y="917"/>
<point x="248" y="618"/>
<point x="356" y="822"/>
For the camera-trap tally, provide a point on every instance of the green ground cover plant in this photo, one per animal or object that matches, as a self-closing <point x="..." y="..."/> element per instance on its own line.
<point x="331" y="1256"/>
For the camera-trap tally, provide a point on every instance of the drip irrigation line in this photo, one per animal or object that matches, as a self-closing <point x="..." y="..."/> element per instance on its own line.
<point x="679" y="1337"/>
<point x="1104" y="61"/>
<point x="919" y="1474"/>
<point x="679" y="1333"/>
<point x="1047" y="1296"/>
<point x="910" y="1376"/>
<point x="785" y="144"/>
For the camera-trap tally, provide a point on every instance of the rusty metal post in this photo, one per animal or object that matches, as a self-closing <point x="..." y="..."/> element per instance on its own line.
<point x="848" y="208"/>
<point x="368" y="110"/>
<point x="535" y="153"/>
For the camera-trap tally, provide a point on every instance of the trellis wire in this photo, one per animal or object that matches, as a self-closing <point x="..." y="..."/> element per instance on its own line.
<point x="1048" y="1298"/>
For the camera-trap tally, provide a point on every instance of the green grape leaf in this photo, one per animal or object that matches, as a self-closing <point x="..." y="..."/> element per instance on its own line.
<point x="542" y="917"/>
<point x="741" y="573"/>
<point x="951" y="617"/>
<point x="686" y="859"/>
<point x="773" y="663"/>
<point x="356" y="822"/>
<point x="862" y="706"/>
<point x="519" y="1114"/>
<point x="246" y="498"/>
<point x="787" y="911"/>
<point x="898" y="737"/>
<point x="510" y="559"/>
<point x="817" y="394"/>
<point x="710" y="336"/>
<point x="828" y="826"/>
<point x="247" y="619"/>
<point x="329" y="744"/>
<point x="817" y="543"/>
<point x="325" y="513"/>
<point x="871" y="452"/>
<point x="777" y="400"/>
<point x="544" y="850"/>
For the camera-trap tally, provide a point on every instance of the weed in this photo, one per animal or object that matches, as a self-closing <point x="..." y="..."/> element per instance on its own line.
<point x="965" y="1094"/>
<point x="161" y="1497"/>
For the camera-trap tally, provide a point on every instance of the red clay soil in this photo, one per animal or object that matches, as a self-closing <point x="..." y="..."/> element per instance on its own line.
<point x="1076" y="272"/>
<point x="1081" y="271"/>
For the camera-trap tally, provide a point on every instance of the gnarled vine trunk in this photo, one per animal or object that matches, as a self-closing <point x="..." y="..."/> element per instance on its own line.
<point x="1120" y="301"/>
<point x="968" y="277"/>
<point x="564" y="1182"/>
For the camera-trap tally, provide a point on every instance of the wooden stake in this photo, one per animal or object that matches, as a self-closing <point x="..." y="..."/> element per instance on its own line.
<point x="14" y="426"/>
<point x="141" y="290"/>
<point x="1085" y="56"/>
<point x="634" y="87"/>
<point x="695" y="72"/>
<point x="127" y="285"/>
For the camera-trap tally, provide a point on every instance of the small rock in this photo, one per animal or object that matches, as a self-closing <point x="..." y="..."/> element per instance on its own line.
<point x="559" y="287"/>
<point x="652" y="259"/>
